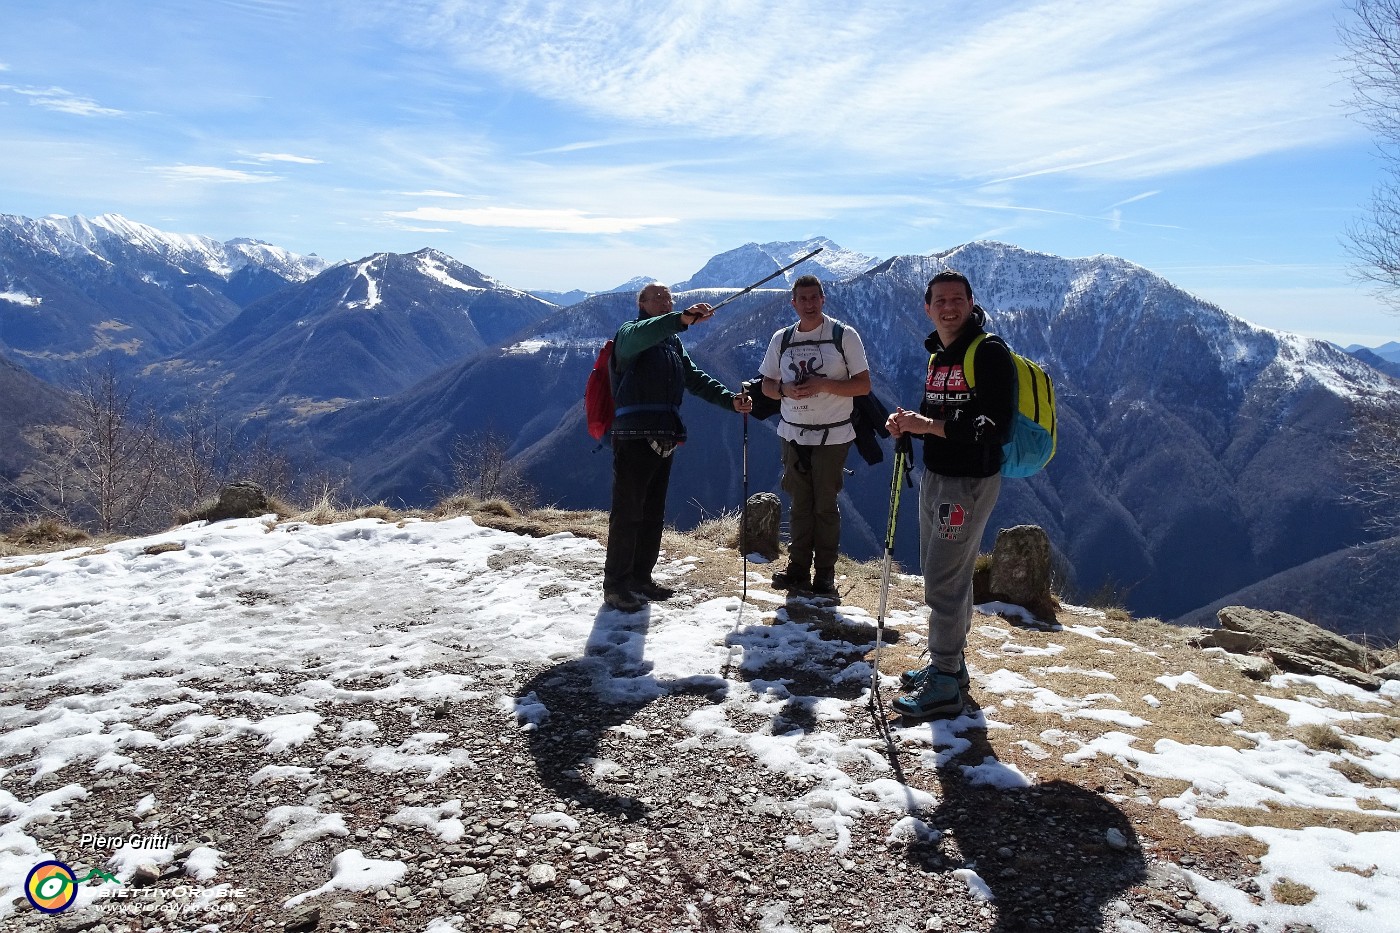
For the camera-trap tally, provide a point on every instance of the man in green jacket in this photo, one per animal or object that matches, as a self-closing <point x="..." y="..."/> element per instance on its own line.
<point x="651" y="373"/>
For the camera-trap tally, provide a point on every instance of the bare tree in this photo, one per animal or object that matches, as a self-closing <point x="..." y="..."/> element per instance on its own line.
<point x="1372" y="38"/>
<point x="481" y="468"/>
<point x="197" y="455"/>
<point x="99" y="467"/>
<point x="1375" y="463"/>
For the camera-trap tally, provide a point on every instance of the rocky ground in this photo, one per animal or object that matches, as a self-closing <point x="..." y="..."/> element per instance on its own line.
<point x="625" y="817"/>
<point x="677" y="838"/>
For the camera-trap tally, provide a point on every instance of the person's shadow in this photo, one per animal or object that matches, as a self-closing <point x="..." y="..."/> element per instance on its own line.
<point x="569" y="708"/>
<point x="800" y="662"/>
<point x="1052" y="856"/>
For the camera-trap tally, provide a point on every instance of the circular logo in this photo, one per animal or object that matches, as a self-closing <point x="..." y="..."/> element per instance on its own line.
<point x="51" y="887"/>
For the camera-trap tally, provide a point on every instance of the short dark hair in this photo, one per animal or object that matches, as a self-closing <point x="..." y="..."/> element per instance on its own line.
<point x="947" y="275"/>
<point x="808" y="281"/>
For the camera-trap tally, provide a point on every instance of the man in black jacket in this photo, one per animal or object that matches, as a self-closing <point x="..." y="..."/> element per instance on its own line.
<point x="963" y="428"/>
<point x="651" y="373"/>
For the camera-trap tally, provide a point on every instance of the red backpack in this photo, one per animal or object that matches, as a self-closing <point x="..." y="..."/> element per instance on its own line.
<point x="598" y="395"/>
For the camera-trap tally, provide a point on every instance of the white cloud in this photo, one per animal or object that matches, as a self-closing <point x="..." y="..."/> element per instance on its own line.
<point x="431" y="194"/>
<point x="215" y="174"/>
<point x="56" y="98"/>
<point x="283" y="157"/>
<point x="1093" y="89"/>
<point x="565" y="220"/>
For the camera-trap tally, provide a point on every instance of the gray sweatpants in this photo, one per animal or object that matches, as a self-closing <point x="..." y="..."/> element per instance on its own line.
<point x="953" y="513"/>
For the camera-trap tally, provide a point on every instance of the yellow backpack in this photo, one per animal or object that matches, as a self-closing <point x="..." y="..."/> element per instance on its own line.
<point x="1033" y="433"/>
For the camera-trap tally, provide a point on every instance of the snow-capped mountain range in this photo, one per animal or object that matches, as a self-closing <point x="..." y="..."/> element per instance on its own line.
<point x="747" y="264"/>
<point x="1199" y="454"/>
<point x="114" y="238"/>
<point x="75" y="289"/>
<point x="359" y="330"/>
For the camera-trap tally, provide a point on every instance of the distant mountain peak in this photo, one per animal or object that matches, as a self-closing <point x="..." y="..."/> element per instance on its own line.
<point x="747" y="264"/>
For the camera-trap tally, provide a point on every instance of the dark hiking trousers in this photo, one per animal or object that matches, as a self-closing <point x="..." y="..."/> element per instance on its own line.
<point x="813" y="484"/>
<point x="640" y="479"/>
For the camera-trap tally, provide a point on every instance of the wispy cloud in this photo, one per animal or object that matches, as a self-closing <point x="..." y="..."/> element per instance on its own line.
<point x="214" y="174"/>
<point x="566" y="220"/>
<point x="431" y="194"/>
<point x="284" y="157"/>
<point x="581" y="146"/>
<point x="1102" y="90"/>
<point x="1135" y="198"/>
<point x="62" y="101"/>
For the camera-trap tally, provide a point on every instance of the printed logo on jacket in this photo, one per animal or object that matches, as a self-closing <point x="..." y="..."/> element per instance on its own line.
<point x="947" y="386"/>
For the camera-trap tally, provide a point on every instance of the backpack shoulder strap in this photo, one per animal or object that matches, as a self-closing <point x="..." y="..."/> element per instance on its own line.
<point x="970" y="360"/>
<point x="788" y="333"/>
<point x="838" y="336"/>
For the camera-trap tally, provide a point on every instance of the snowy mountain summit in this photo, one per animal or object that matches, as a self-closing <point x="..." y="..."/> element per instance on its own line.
<point x="114" y="238"/>
<point x="752" y="261"/>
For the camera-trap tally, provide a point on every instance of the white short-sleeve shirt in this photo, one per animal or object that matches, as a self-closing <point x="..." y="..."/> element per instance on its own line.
<point x="814" y="352"/>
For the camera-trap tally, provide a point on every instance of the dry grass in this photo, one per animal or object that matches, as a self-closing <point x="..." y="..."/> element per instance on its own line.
<point x="1292" y="893"/>
<point x="1276" y="816"/>
<point x="45" y="534"/>
<point x="1321" y="737"/>
<point x="722" y="531"/>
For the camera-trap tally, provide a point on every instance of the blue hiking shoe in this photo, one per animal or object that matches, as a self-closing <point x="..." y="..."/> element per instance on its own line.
<point x="939" y="696"/>
<point x="914" y="680"/>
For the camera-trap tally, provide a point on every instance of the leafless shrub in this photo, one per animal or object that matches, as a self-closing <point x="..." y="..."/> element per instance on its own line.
<point x="1374" y="463"/>
<point x="482" y="469"/>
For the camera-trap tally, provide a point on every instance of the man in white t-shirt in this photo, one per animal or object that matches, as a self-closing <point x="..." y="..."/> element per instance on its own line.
<point x="815" y="368"/>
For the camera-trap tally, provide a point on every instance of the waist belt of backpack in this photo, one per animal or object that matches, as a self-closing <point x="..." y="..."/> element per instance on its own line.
<point x="824" y="428"/>
<point x="656" y="406"/>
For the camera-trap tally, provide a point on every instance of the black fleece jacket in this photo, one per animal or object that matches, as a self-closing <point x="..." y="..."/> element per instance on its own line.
<point x="978" y="418"/>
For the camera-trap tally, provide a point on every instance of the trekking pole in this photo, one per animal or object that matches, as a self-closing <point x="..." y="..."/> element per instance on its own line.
<point x="903" y="463"/>
<point x="767" y="279"/>
<point x="744" y="520"/>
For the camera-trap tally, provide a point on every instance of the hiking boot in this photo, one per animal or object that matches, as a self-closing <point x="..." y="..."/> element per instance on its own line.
<point x="824" y="583"/>
<point x="623" y="601"/>
<point x="793" y="578"/>
<point x="914" y="680"/>
<point x="654" y="592"/>
<point x="940" y="696"/>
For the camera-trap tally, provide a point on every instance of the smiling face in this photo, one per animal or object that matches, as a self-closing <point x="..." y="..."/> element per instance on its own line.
<point x="949" y="308"/>
<point x="808" y="301"/>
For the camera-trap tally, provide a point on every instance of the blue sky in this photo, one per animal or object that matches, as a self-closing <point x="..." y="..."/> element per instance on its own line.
<point x="578" y="144"/>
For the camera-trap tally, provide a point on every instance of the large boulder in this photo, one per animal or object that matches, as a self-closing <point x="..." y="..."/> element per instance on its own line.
<point x="1290" y="633"/>
<point x="1020" y="572"/>
<point x="1310" y="664"/>
<point x="240" y="499"/>
<point x="762" y="520"/>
